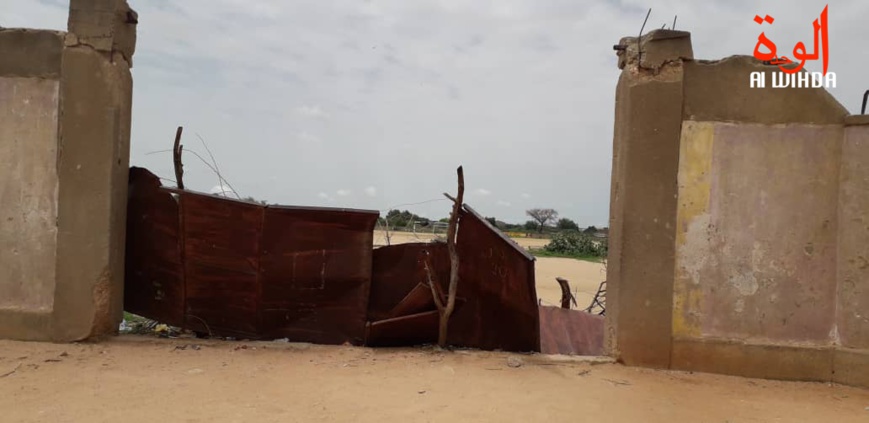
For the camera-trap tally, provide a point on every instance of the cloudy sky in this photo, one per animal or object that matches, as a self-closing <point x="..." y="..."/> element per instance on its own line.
<point x="373" y="103"/>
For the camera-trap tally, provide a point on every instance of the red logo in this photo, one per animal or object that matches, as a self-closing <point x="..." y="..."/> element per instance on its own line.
<point x="820" y="26"/>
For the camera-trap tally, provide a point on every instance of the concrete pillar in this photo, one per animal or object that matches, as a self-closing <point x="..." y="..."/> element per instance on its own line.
<point x="851" y="361"/>
<point x="64" y="155"/>
<point x="648" y="121"/>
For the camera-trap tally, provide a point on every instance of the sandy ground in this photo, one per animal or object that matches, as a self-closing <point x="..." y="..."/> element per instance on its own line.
<point x="584" y="277"/>
<point x="406" y="237"/>
<point x="136" y="379"/>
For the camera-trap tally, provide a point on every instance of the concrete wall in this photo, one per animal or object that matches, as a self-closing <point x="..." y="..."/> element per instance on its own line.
<point x="64" y="155"/>
<point x="28" y="192"/>
<point x="738" y="222"/>
<point x="851" y="361"/>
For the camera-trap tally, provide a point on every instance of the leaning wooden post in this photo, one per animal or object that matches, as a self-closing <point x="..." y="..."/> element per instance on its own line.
<point x="176" y="153"/>
<point x="566" y="295"/>
<point x="452" y="229"/>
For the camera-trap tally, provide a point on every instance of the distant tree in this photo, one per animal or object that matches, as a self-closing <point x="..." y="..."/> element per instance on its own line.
<point x="566" y="224"/>
<point x="542" y="216"/>
<point x="492" y="221"/>
<point x="530" y="225"/>
<point x="590" y="230"/>
<point x="402" y="219"/>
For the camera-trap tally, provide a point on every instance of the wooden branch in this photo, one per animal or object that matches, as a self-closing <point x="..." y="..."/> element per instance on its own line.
<point x="176" y="153"/>
<point x="454" y="259"/>
<point x="435" y="288"/>
<point x="566" y="295"/>
<point x="453" y="199"/>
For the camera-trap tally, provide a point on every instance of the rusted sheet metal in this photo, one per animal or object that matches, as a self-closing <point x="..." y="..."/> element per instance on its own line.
<point x="401" y="309"/>
<point x="570" y="332"/>
<point x="398" y="269"/>
<point x="235" y="268"/>
<point x="496" y="277"/>
<point x="418" y="300"/>
<point x="316" y="273"/>
<point x="496" y="297"/>
<point x="415" y="329"/>
<point x="221" y="264"/>
<point x="153" y="275"/>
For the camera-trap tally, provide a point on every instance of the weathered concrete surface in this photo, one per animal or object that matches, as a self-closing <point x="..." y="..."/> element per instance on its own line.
<point x="64" y="159"/>
<point x="763" y="244"/>
<point x="28" y="193"/>
<point x="851" y="367"/>
<point x="658" y="48"/>
<point x="30" y="53"/>
<point x="106" y="25"/>
<point x="853" y="262"/>
<point x="804" y="363"/>
<point x="643" y="211"/>
<point x="93" y="170"/>
<point x="756" y="233"/>
<point x="721" y="91"/>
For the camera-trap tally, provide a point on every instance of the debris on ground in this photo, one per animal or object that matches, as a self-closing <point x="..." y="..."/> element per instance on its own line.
<point x="11" y="371"/>
<point x="514" y="362"/>
<point x="618" y="382"/>
<point x="184" y="347"/>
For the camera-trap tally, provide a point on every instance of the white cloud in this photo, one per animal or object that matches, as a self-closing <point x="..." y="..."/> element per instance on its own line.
<point x="307" y="137"/>
<point x="373" y="80"/>
<point x="503" y="203"/>
<point x="343" y="192"/>
<point x="222" y="190"/>
<point x="483" y="191"/>
<point x="312" y="112"/>
<point x="323" y="195"/>
<point x="371" y="191"/>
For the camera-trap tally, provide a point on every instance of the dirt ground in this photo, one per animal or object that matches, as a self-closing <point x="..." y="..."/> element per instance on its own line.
<point x="584" y="277"/>
<point x="137" y="379"/>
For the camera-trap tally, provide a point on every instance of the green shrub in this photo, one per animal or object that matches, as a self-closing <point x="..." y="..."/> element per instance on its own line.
<point x="576" y="244"/>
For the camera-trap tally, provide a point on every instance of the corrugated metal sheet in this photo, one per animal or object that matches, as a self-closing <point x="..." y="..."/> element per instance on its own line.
<point x="154" y="284"/>
<point x="221" y="262"/>
<point x="401" y="309"/>
<point x="570" y="332"/>
<point x="235" y="268"/>
<point x="496" y="278"/>
<point x="398" y="269"/>
<point x="496" y="305"/>
<point x="316" y="273"/>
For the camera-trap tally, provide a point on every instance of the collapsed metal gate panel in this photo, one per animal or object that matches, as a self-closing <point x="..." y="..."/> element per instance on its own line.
<point x="496" y="300"/>
<point x="235" y="268"/>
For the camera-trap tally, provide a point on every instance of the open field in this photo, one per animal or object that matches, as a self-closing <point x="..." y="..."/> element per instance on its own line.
<point x="135" y="379"/>
<point x="584" y="276"/>
<point x="407" y="237"/>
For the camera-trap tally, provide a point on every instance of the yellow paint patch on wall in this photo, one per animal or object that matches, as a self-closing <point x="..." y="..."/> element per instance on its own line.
<point x="695" y="180"/>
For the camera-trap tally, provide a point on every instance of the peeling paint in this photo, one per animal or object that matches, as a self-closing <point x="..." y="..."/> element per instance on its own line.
<point x="745" y="283"/>
<point x="693" y="224"/>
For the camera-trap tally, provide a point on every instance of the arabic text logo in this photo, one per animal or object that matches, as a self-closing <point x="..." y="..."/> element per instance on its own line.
<point x="790" y="75"/>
